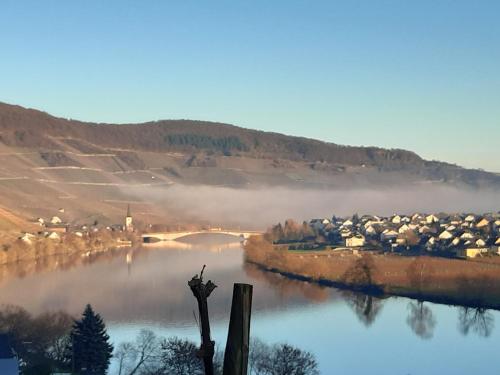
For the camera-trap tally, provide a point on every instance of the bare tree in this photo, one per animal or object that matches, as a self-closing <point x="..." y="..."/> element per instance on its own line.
<point x="179" y="357"/>
<point x="257" y="353"/>
<point x="126" y="356"/>
<point x="411" y="237"/>
<point x="138" y="357"/>
<point x="362" y="272"/>
<point x="281" y="359"/>
<point x="148" y="356"/>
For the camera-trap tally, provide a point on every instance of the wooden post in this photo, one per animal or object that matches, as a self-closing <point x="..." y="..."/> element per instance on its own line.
<point x="238" y="337"/>
<point x="202" y="292"/>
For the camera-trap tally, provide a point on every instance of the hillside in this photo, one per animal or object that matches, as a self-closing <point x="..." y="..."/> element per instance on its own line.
<point x="49" y="163"/>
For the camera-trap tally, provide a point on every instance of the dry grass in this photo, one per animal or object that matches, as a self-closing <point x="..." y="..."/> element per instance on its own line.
<point x="468" y="281"/>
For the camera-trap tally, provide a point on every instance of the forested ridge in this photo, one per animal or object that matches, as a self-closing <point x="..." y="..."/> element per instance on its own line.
<point x="21" y="127"/>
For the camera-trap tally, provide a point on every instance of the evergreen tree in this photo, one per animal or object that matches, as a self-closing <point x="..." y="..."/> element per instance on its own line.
<point x="355" y="219"/>
<point x="89" y="349"/>
<point x="277" y="233"/>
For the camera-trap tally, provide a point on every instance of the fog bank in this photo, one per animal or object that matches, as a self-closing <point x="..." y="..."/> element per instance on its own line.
<point x="259" y="208"/>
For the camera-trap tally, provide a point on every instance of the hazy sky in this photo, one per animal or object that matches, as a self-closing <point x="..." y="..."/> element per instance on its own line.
<point x="420" y="75"/>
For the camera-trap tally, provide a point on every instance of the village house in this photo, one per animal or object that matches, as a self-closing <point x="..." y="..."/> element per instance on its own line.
<point x="437" y="233"/>
<point x="345" y="233"/>
<point x="55" y="220"/>
<point x="445" y="235"/>
<point x="356" y="240"/>
<point x="53" y="236"/>
<point x="370" y="223"/>
<point x="404" y="228"/>
<point x="467" y="235"/>
<point x="470" y="218"/>
<point x="396" y="219"/>
<point x="388" y="234"/>
<point x="347" y="223"/>
<point x="484" y="222"/>
<point x="430" y="219"/>
<point x="370" y="231"/>
<point x="401" y="240"/>
<point x="416" y="218"/>
<point x="59" y="228"/>
<point x="424" y="229"/>
<point x="480" y="242"/>
<point x="431" y="242"/>
<point x="27" y="238"/>
<point x="471" y="252"/>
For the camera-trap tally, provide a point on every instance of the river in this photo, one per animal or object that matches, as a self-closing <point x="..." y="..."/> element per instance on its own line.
<point x="348" y="333"/>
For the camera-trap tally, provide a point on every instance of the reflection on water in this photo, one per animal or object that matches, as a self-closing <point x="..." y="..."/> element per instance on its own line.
<point x="177" y="245"/>
<point x="288" y="288"/>
<point x="479" y="320"/>
<point x="365" y="306"/>
<point x="154" y="287"/>
<point x="147" y="284"/>
<point x="420" y="319"/>
<point x="147" y="288"/>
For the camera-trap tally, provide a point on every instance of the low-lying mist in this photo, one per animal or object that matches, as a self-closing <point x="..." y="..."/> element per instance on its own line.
<point x="259" y="208"/>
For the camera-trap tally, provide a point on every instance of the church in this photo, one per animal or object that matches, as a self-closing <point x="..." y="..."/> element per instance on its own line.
<point x="129" y="226"/>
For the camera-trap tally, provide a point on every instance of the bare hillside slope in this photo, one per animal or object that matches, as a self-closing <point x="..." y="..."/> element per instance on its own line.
<point x="93" y="170"/>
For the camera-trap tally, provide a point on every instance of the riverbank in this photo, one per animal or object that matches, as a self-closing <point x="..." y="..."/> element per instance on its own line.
<point x="452" y="281"/>
<point x="16" y="250"/>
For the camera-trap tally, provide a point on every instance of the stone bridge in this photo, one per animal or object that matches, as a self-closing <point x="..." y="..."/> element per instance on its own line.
<point x="172" y="236"/>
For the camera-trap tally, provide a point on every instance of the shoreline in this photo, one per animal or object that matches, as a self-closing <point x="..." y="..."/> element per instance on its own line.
<point x="69" y="245"/>
<point x="474" y="284"/>
<point x="377" y="291"/>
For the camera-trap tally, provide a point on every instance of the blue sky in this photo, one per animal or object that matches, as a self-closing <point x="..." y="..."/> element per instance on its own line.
<point x="419" y="75"/>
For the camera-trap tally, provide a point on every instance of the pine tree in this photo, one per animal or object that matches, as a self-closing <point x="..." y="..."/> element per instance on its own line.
<point x="89" y="349"/>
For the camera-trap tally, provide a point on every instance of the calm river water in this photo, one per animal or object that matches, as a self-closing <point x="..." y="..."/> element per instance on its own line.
<point x="348" y="333"/>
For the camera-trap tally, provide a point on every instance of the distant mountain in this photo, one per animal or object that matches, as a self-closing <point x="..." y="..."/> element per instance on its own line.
<point x="39" y="152"/>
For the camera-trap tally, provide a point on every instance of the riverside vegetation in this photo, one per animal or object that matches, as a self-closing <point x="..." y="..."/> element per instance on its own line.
<point x="474" y="282"/>
<point x="17" y="250"/>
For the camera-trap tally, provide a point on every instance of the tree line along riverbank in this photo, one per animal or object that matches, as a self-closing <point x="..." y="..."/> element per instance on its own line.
<point x="453" y="281"/>
<point x="15" y="250"/>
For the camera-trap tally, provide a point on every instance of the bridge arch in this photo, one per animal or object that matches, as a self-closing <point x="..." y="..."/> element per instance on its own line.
<point x="172" y="236"/>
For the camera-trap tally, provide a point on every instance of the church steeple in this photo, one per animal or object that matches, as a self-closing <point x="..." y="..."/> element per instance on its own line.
<point x="128" y="220"/>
